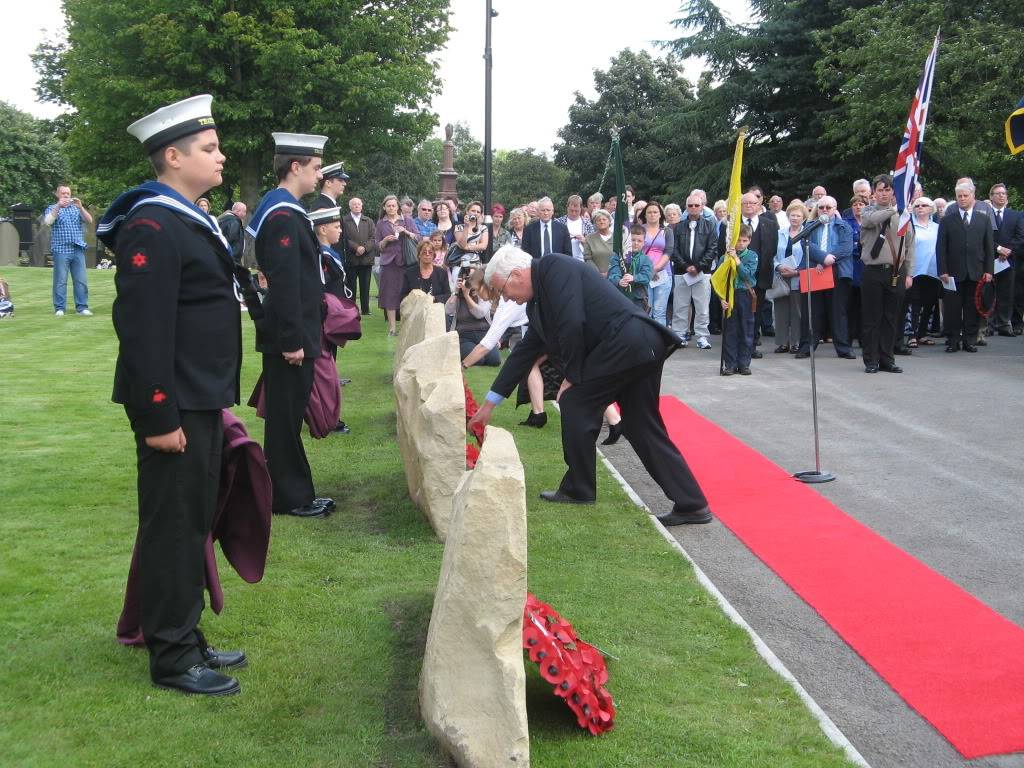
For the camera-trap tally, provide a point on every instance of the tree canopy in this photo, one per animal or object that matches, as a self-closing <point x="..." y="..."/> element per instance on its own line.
<point x="357" y="72"/>
<point x="31" y="163"/>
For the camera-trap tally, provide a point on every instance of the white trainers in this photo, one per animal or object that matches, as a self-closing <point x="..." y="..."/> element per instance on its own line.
<point x="85" y="312"/>
<point x="703" y="343"/>
<point x="59" y="313"/>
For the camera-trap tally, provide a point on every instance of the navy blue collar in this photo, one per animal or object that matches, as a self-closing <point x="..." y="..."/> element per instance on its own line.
<point x="274" y="199"/>
<point x="154" y="193"/>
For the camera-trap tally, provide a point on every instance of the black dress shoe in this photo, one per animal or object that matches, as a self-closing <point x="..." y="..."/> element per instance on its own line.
<point x="952" y="347"/>
<point x="969" y="347"/>
<point x="557" y="497"/>
<point x="802" y="354"/>
<point x="1004" y="332"/>
<point x="728" y="371"/>
<point x="309" y="510"/>
<point x="342" y="428"/>
<point x="201" y="680"/>
<point x="743" y="371"/>
<point x="1018" y="331"/>
<point x="889" y="368"/>
<point x="342" y="382"/>
<point x="537" y="420"/>
<point x="614" y="433"/>
<point x="781" y="348"/>
<point x="325" y="502"/>
<point x="870" y="369"/>
<point x="714" y="330"/>
<point x="981" y="343"/>
<point x="224" y="659"/>
<point x="903" y="350"/>
<point x="675" y="517"/>
<point x="846" y="355"/>
<point x="756" y="354"/>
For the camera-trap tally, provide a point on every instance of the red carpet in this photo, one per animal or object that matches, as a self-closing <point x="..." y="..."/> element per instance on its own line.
<point x="957" y="662"/>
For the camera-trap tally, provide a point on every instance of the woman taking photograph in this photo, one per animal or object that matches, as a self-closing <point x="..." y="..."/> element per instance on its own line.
<point x="787" y="258"/>
<point x="471" y="236"/>
<point x="391" y="228"/>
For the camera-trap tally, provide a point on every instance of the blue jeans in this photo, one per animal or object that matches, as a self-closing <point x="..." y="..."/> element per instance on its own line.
<point x="658" y="295"/>
<point x="73" y="259"/>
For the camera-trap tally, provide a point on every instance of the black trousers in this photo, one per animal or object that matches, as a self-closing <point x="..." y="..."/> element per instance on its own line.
<point x="177" y="499"/>
<point x="637" y="392"/>
<point x="924" y="297"/>
<point x="960" y="312"/>
<point x="824" y="303"/>
<point x="1017" y="318"/>
<point x="853" y="323"/>
<point x="359" y="277"/>
<point x="1005" y="281"/>
<point x="286" y="389"/>
<point x="880" y="301"/>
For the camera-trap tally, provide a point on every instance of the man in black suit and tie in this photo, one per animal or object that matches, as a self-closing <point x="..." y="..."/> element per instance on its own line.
<point x="964" y="250"/>
<point x="545" y="235"/>
<point x="764" y="242"/>
<point x="610" y="351"/>
<point x="1009" y="241"/>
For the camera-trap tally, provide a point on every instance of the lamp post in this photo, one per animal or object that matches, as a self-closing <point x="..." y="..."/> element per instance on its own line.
<point x="490" y="14"/>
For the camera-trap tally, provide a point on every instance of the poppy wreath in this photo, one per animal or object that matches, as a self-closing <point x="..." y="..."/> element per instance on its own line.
<point x="472" y="451"/>
<point x="576" y="669"/>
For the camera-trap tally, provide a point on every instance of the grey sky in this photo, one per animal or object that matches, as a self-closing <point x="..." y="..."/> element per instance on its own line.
<point x="544" y="51"/>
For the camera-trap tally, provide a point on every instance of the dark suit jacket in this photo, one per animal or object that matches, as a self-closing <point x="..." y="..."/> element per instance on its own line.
<point x="353" y="236"/>
<point x="966" y="253"/>
<point x="1011" y="234"/>
<point x="560" y="240"/>
<point x="234" y="232"/>
<point x="765" y="243"/>
<point x="705" y="246"/>
<point x="584" y="324"/>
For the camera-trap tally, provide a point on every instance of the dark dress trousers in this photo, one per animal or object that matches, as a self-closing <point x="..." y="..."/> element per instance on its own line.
<point x="533" y="240"/>
<point x="179" y="356"/>
<point x="289" y="256"/>
<point x="765" y="242"/>
<point x="1009" y="233"/>
<point x="965" y="252"/>
<point x="358" y="269"/>
<point x="610" y="351"/>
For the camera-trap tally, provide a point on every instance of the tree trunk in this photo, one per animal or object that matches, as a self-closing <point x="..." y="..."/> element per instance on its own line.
<point x="249" y="181"/>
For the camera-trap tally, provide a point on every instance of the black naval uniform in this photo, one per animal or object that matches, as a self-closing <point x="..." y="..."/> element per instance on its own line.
<point x="288" y="254"/>
<point x="179" y="357"/>
<point x="321" y="202"/>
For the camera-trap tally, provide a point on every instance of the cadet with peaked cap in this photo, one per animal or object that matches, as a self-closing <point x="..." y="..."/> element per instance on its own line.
<point x="288" y="254"/>
<point x="179" y="355"/>
<point x="332" y="186"/>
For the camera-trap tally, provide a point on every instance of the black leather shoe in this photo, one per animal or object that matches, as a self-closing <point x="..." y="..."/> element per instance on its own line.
<point x="801" y="355"/>
<point x="537" y="420"/>
<point x="756" y="354"/>
<point x="981" y="343"/>
<point x="970" y="347"/>
<point x="325" y="502"/>
<point x="344" y="382"/>
<point x="728" y="371"/>
<point x="310" y="510"/>
<point x="224" y="659"/>
<point x="614" y="433"/>
<point x="743" y="371"/>
<point x="846" y="355"/>
<point x="951" y="347"/>
<point x="557" y="497"/>
<point x="890" y="368"/>
<point x="1004" y="332"/>
<point x="781" y="349"/>
<point x="870" y="369"/>
<point x="342" y="428"/>
<point x="201" y="680"/>
<point x="676" y="517"/>
<point x="1018" y="331"/>
<point x="904" y="350"/>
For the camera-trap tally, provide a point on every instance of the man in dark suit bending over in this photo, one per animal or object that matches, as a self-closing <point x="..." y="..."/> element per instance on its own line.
<point x="610" y="351"/>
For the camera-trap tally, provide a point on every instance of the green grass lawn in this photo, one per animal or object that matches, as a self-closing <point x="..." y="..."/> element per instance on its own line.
<point x="335" y="631"/>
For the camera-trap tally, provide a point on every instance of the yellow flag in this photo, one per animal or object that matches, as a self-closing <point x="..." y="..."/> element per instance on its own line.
<point x="724" y="278"/>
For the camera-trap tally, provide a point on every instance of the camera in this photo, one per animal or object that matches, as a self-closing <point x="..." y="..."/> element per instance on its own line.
<point x="467" y="263"/>
<point x="471" y="218"/>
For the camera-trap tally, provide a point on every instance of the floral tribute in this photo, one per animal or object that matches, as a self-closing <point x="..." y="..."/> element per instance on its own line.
<point x="576" y="669"/>
<point x="472" y="451"/>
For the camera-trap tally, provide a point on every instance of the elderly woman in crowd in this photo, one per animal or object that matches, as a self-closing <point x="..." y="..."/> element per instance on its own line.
<point x="426" y="276"/>
<point x="579" y="228"/>
<point x="443" y="220"/>
<point x="499" y="235"/>
<point x="517" y="221"/>
<point x="721" y="210"/>
<point x="788" y="257"/>
<point x="659" y="243"/>
<point x="925" y="292"/>
<point x="857" y="204"/>
<point x="597" y="248"/>
<point x="391" y="228"/>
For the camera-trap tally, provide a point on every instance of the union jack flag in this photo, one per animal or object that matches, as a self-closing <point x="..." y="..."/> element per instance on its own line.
<point x="908" y="161"/>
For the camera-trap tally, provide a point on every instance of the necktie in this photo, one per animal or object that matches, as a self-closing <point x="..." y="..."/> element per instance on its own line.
<point x="999" y="219"/>
<point x="824" y="237"/>
<point x="547" y="240"/>
<point x="966" y="222"/>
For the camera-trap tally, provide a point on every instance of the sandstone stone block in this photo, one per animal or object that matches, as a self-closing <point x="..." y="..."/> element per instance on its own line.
<point x="473" y="684"/>
<point x="421" y="319"/>
<point x="431" y="414"/>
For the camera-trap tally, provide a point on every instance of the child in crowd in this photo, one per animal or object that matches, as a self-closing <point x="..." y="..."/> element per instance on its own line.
<point x="439" y="246"/>
<point x="632" y="273"/>
<point x="738" y="344"/>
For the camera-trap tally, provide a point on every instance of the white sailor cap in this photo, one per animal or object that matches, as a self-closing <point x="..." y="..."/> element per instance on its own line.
<point x="301" y="144"/>
<point x="325" y="216"/>
<point x="334" y="171"/>
<point x="174" y="121"/>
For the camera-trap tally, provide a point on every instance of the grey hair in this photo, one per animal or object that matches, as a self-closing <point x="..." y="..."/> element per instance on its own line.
<point x="925" y="201"/>
<point x="861" y="183"/>
<point x="673" y="207"/>
<point x="829" y="199"/>
<point x="547" y="200"/>
<point x="965" y="186"/>
<point x="597" y="197"/>
<point x="504" y="260"/>
<point x="602" y="213"/>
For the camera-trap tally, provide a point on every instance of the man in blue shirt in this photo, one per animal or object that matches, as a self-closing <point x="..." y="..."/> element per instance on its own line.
<point x="67" y="244"/>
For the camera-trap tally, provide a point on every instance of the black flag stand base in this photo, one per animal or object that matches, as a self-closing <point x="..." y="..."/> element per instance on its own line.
<point x="814" y="476"/>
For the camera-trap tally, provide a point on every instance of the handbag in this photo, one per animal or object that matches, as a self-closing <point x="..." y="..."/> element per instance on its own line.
<point x="408" y="251"/>
<point x="779" y="289"/>
<point x="341" y="320"/>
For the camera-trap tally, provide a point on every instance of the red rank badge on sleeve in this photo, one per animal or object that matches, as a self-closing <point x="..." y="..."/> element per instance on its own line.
<point x="139" y="261"/>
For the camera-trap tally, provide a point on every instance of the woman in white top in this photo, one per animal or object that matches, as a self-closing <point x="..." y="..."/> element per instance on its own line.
<point x="925" y="292"/>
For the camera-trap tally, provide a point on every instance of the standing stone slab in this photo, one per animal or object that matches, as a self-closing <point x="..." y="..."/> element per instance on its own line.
<point x="431" y="414"/>
<point x="473" y="684"/>
<point x="421" y="319"/>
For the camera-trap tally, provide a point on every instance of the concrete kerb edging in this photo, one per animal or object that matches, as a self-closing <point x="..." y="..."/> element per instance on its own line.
<point x="830" y="729"/>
